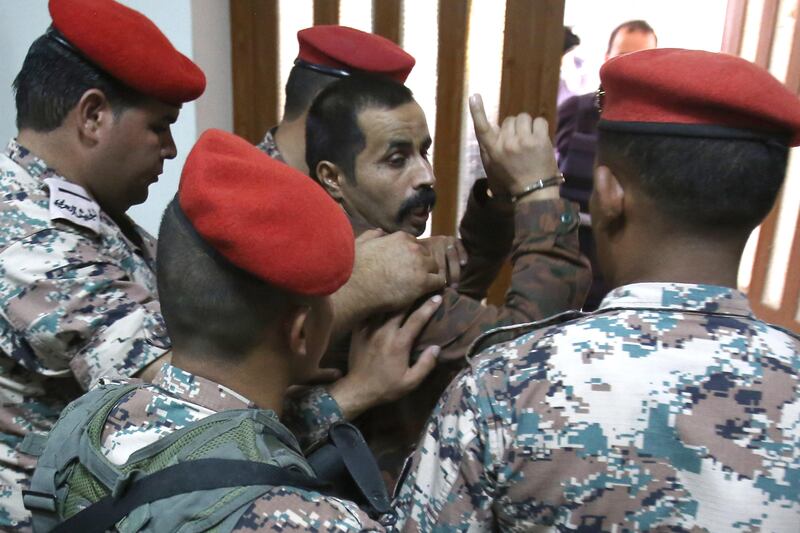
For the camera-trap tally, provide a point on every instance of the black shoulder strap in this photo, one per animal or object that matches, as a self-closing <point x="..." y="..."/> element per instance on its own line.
<point x="362" y="466"/>
<point x="182" y="478"/>
<point x="346" y="462"/>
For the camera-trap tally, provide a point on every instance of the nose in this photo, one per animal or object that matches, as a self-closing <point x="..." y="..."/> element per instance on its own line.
<point x="423" y="176"/>
<point x="168" y="148"/>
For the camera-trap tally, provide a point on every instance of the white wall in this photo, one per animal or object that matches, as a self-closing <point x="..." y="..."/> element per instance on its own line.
<point x="199" y="29"/>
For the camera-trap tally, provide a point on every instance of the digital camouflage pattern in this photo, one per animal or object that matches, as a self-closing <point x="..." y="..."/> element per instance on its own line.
<point x="75" y="304"/>
<point x="310" y="414"/>
<point x="549" y="276"/>
<point x="270" y="147"/>
<point x="670" y="408"/>
<point x="177" y="398"/>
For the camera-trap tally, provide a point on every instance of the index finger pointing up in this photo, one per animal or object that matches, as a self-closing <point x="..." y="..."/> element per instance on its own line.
<point x="483" y="130"/>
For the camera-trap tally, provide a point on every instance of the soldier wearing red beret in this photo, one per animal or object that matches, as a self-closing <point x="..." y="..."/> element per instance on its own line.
<point x="672" y="407"/>
<point x="95" y="97"/>
<point x="391" y="272"/>
<point x="249" y="252"/>
<point x="327" y="53"/>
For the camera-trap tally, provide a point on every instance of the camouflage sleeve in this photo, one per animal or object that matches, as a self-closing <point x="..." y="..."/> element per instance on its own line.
<point x="549" y="276"/>
<point x="290" y="509"/>
<point x="448" y="485"/>
<point x="486" y="250"/>
<point x="310" y="415"/>
<point x="74" y="309"/>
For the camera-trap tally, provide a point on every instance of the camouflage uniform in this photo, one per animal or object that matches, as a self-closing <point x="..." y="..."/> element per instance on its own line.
<point x="77" y="301"/>
<point x="270" y="147"/>
<point x="549" y="276"/>
<point x="671" y="408"/>
<point x="177" y="398"/>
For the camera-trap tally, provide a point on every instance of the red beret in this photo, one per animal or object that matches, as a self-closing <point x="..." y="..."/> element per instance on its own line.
<point x="696" y="93"/>
<point x="129" y="47"/>
<point x="265" y="217"/>
<point x="338" y="50"/>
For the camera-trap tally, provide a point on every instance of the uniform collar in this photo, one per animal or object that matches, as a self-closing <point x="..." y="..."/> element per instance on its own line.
<point x="32" y="164"/>
<point x="270" y="147"/>
<point x="199" y="390"/>
<point x="679" y="297"/>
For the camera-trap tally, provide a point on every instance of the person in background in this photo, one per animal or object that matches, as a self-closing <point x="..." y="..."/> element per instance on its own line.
<point x="571" y="66"/>
<point x="96" y="97"/>
<point x="576" y="142"/>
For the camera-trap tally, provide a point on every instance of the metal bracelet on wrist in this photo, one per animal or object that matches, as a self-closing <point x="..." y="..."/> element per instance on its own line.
<point x="552" y="181"/>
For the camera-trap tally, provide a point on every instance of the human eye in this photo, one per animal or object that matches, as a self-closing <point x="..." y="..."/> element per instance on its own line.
<point x="397" y="160"/>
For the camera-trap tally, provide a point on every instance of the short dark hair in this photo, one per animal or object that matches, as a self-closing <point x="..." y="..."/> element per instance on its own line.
<point x="52" y="80"/>
<point x="571" y="40"/>
<point x="631" y="26"/>
<point x="332" y="131"/>
<point x="302" y="86"/>
<point x="211" y="307"/>
<point x="700" y="184"/>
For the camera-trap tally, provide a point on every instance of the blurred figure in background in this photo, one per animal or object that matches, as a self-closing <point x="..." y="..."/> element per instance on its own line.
<point x="576" y="141"/>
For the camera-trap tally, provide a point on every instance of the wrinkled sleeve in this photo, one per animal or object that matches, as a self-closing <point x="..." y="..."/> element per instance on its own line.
<point x="549" y="276"/>
<point x="74" y="309"/>
<point x="449" y="482"/>
<point x="310" y="415"/>
<point x="486" y="250"/>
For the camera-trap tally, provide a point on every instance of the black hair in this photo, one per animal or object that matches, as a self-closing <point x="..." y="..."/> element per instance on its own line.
<point x="332" y="131"/>
<point x="571" y="40"/>
<point x="302" y="86"/>
<point x="52" y="80"/>
<point x="211" y="307"/>
<point x="701" y="184"/>
<point x="631" y="26"/>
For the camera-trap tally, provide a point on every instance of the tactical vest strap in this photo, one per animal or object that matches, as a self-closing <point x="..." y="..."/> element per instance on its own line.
<point x="40" y="498"/>
<point x="183" y="478"/>
<point x="33" y="444"/>
<point x="346" y="460"/>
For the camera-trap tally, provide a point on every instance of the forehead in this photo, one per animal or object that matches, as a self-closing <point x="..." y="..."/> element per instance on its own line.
<point x="405" y="123"/>
<point x="627" y="41"/>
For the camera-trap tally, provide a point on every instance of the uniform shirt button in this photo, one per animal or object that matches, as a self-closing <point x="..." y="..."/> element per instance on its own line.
<point x="566" y="218"/>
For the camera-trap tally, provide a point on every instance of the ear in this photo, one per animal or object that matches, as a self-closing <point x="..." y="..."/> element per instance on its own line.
<point x="608" y="202"/>
<point x="331" y="177"/>
<point x="94" y="115"/>
<point x="295" y="331"/>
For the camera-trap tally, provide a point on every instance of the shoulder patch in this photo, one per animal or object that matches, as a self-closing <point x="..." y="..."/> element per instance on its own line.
<point x="72" y="203"/>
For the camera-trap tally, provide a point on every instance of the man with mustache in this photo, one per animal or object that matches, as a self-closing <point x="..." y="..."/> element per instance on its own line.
<point x="394" y="270"/>
<point x="367" y="145"/>
<point x="96" y="97"/>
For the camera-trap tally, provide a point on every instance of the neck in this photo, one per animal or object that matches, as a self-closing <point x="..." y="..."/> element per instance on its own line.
<point x="291" y="140"/>
<point x="680" y="259"/>
<point x="58" y="151"/>
<point x="261" y="377"/>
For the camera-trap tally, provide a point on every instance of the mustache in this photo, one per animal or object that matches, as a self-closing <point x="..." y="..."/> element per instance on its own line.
<point x="424" y="198"/>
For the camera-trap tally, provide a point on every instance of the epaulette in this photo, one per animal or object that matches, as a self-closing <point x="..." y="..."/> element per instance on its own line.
<point x="485" y="339"/>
